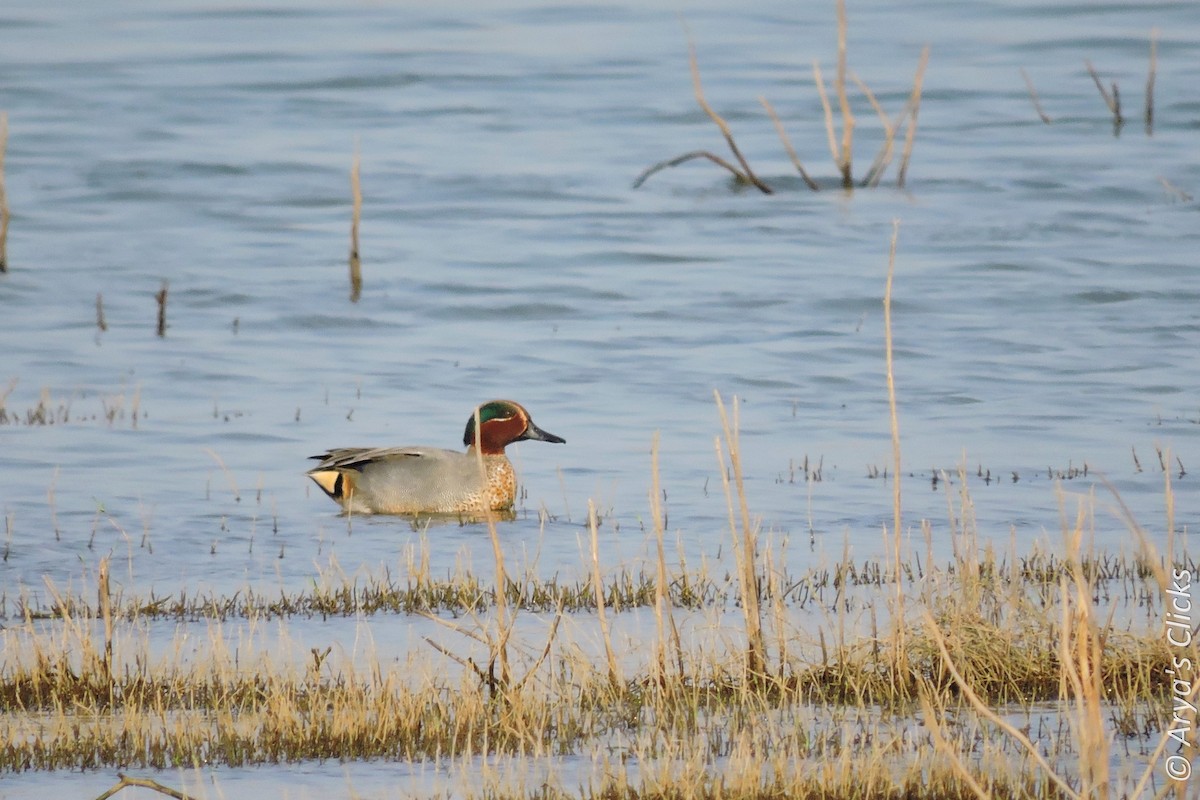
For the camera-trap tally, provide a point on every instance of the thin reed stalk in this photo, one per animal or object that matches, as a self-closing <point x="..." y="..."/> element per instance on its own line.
<point x="1150" y="82"/>
<point x="745" y="544"/>
<point x="1033" y="95"/>
<point x="614" y="672"/>
<point x="499" y="645"/>
<point x="914" y="102"/>
<point x="161" y="299"/>
<point x="101" y="324"/>
<point x="105" y="601"/>
<point x="356" y="194"/>
<point x="664" y="617"/>
<point x="900" y="664"/>
<point x="844" y="99"/>
<point x="787" y="144"/>
<point x="1112" y="99"/>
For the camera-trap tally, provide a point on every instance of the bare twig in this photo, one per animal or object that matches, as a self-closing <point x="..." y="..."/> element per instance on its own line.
<point x="355" y="264"/>
<point x="100" y="323"/>
<point x="1033" y="95"/>
<point x="914" y="101"/>
<point x="1179" y="194"/>
<point x="1111" y="99"/>
<point x="787" y="144"/>
<point x="887" y="150"/>
<point x="1150" y="82"/>
<point x="716" y="118"/>
<point x="674" y="162"/>
<point x="143" y="783"/>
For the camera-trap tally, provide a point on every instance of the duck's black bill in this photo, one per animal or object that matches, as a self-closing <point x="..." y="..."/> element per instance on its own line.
<point x="538" y="435"/>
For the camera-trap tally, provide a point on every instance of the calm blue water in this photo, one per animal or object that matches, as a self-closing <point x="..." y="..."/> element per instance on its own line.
<point x="1046" y="291"/>
<point x="1045" y="294"/>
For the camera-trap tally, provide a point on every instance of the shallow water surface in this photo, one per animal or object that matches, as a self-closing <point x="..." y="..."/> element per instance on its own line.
<point x="1045" y="302"/>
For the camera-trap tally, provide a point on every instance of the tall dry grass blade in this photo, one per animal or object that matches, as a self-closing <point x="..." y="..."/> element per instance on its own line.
<point x="895" y="429"/>
<point x="787" y="144"/>
<point x="933" y="724"/>
<point x="1033" y="95"/>
<point x="499" y="646"/>
<point x="698" y="89"/>
<point x="356" y="194"/>
<point x="830" y="134"/>
<point x="4" y="215"/>
<point x="161" y="299"/>
<point x="745" y="543"/>
<point x="104" y="596"/>
<point x="844" y="99"/>
<point x="664" y="616"/>
<point x="237" y="495"/>
<point x="1150" y="82"/>
<point x="991" y="716"/>
<point x="914" y="101"/>
<point x="614" y="673"/>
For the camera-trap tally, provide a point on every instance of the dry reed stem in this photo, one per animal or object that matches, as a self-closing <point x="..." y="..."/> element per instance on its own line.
<point x="105" y="600"/>
<point x="698" y="89"/>
<point x="4" y="215"/>
<point x="1033" y="95"/>
<point x="787" y="144"/>
<point x="228" y="473"/>
<point x="356" y="193"/>
<point x="499" y="647"/>
<point x="844" y="99"/>
<point x="914" y="101"/>
<point x="664" y="616"/>
<point x="887" y="150"/>
<point x="933" y="724"/>
<point x="161" y="299"/>
<point x="1111" y="99"/>
<point x="828" y="113"/>
<point x="101" y="324"/>
<point x="745" y="544"/>
<point x="614" y="674"/>
<point x="898" y="615"/>
<point x="991" y="716"/>
<point x="1150" y="82"/>
<point x="144" y="783"/>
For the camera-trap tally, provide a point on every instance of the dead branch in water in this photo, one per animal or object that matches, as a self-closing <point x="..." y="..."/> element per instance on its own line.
<point x="716" y="118"/>
<point x="355" y="264"/>
<point x="677" y="160"/>
<point x="144" y="783"/>
<point x="745" y="174"/>
<point x="100" y="323"/>
<point x="1111" y="99"/>
<point x="1033" y="95"/>
<point x="787" y="144"/>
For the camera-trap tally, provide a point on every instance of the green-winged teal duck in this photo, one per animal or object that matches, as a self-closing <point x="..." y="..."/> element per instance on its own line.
<point x="429" y="480"/>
